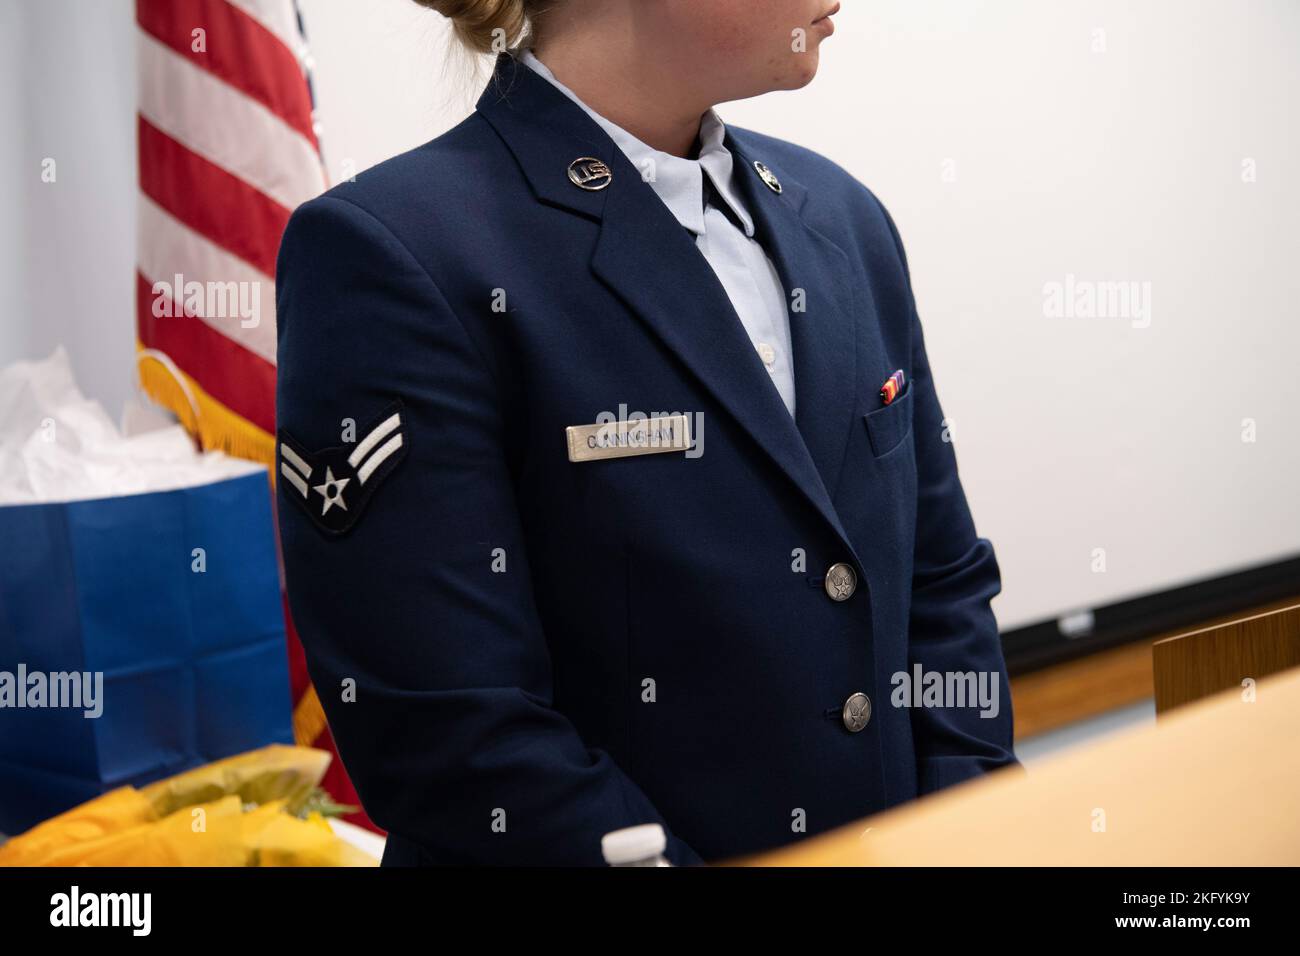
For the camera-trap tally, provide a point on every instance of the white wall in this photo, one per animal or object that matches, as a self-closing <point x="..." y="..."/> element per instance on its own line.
<point x="1126" y="164"/>
<point x="69" y="96"/>
<point x="13" y="147"/>
<point x="1010" y="152"/>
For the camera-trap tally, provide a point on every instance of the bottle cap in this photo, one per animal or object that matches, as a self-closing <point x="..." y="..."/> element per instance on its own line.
<point x="634" y="844"/>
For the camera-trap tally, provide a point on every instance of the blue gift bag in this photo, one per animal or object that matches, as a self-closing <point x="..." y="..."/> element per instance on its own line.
<point x="171" y="602"/>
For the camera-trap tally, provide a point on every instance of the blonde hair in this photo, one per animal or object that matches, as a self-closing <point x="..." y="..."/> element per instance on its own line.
<point x="484" y="26"/>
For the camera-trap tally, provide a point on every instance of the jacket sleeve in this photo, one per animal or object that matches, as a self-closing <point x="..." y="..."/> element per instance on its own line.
<point x="955" y="576"/>
<point x="428" y="656"/>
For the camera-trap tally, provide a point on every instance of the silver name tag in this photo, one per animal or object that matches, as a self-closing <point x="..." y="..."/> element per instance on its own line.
<point x="642" y="436"/>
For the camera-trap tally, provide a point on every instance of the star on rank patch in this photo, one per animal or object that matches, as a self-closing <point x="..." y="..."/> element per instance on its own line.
<point x="333" y="486"/>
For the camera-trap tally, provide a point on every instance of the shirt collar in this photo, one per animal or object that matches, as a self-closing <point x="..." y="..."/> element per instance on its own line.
<point x="678" y="182"/>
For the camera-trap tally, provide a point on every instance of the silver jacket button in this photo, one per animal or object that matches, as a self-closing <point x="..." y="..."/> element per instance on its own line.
<point x="841" y="582"/>
<point x="857" y="712"/>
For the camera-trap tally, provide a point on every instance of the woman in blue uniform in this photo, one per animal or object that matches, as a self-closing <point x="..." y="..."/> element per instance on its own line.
<point x="614" y="486"/>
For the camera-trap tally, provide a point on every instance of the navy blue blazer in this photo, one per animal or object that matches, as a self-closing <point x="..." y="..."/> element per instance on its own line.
<point x="518" y="653"/>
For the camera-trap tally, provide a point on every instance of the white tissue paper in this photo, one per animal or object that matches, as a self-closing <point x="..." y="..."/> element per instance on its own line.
<point x="57" y="445"/>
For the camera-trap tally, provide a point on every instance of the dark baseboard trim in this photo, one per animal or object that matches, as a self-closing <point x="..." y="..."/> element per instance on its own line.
<point x="1040" y="645"/>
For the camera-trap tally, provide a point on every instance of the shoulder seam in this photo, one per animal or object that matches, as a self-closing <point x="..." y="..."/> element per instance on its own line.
<point x="893" y="234"/>
<point x="483" y="360"/>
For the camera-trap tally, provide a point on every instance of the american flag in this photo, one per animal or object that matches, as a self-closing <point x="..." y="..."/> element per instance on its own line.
<point x="228" y="148"/>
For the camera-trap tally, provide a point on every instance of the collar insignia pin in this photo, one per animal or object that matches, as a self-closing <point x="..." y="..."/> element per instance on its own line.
<point x="590" y="174"/>
<point x="768" y="177"/>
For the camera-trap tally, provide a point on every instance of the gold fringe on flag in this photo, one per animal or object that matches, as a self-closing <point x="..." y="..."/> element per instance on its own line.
<point x="308" y="718"/>
<point x="214" y="425"/>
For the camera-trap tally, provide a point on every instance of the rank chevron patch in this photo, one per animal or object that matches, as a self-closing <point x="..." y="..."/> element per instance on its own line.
<point x="334" y="485"/>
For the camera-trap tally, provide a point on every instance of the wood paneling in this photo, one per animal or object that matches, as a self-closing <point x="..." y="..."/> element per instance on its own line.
<point x="1200" y="663"/>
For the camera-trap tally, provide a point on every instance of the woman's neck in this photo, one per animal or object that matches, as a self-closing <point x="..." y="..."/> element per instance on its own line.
<point x="626" y="87"/>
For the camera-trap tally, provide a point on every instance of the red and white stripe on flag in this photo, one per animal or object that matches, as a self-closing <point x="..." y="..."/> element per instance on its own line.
<point x="227" y="149"/>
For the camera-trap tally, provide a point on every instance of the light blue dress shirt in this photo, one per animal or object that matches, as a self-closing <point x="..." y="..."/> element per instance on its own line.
<point x="739" y="261"/>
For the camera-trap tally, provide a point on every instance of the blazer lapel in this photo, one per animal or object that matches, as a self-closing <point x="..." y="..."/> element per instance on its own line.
<point x="652" y="263"/>
<point x="823" y="335"/>
<point x="645" y="257"/>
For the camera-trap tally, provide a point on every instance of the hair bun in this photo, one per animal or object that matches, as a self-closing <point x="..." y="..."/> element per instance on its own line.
<point x="484" y="25"/>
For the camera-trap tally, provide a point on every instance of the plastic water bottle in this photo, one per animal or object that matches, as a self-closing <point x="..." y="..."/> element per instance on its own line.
<point x="642" y="845"/>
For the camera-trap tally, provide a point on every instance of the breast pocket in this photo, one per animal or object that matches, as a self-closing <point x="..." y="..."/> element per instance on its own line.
<point x="888" y="426"/>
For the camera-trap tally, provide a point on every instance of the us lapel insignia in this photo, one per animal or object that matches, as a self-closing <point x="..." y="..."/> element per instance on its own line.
<point x="589" y="173"/>
<point x="333" y="486"/>
<point x="768" y="177"/>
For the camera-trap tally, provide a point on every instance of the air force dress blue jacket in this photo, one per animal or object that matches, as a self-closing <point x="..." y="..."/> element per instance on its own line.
<point x="526" y="635"/>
